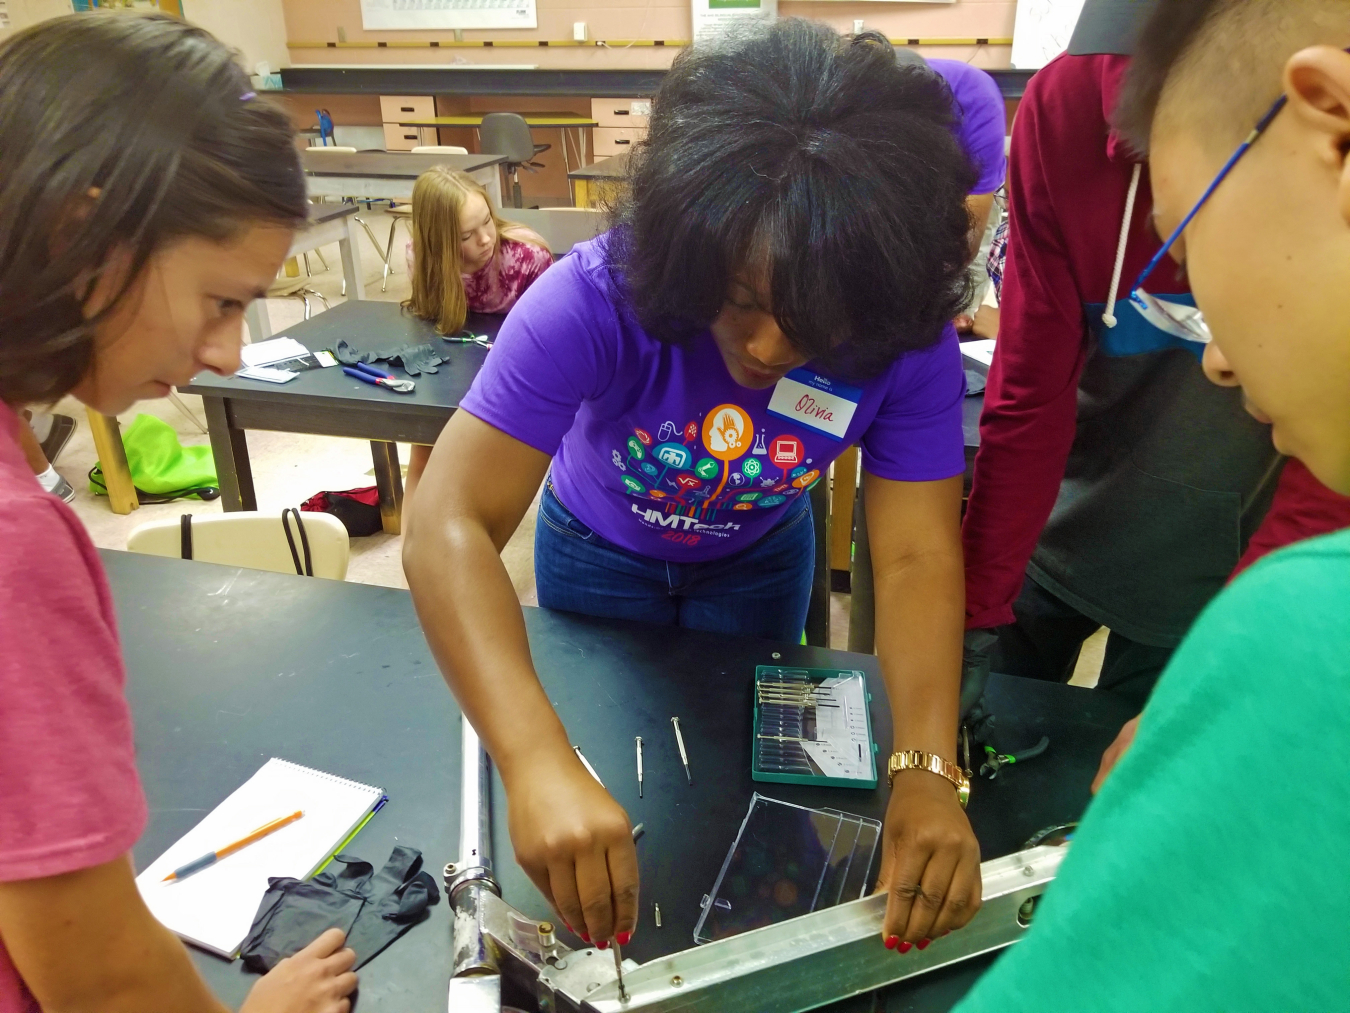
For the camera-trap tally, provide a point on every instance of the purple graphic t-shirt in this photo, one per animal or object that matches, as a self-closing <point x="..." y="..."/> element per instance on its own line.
<point x="656" y="447"/>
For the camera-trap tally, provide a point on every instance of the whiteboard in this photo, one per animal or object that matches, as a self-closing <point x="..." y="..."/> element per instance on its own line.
<point x="403" y="15"/>
<point x="1042" y="31"/>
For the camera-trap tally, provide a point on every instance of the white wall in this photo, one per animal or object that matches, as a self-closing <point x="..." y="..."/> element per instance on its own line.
<point x="23" y="13"/>
<point x="257" y="28"/>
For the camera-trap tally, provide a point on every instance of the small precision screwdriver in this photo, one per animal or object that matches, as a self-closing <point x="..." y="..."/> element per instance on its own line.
<point x="618" y="969"/>
<point x="684" y="757"/>
<point x="639" y="761"/>
<point x="587" y="764"/>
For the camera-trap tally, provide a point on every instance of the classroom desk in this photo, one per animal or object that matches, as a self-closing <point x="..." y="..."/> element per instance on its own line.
<point x="328" y="223"/>
<point x="327" y="402"/>
<point x="562" y="122"/>
<point x="380" y="175"/>
<point x="561" y="228"/>
<point x="227" y="667"/>
<point x="589" y="182"/>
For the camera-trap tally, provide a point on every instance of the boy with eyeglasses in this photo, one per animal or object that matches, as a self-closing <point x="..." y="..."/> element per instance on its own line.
<point x="1207" y="874"/>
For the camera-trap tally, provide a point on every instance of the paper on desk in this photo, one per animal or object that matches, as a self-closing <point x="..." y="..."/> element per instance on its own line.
<point x="264" y="353"/>
<point x="980" y="351"/>
<point x="267" y="373"/>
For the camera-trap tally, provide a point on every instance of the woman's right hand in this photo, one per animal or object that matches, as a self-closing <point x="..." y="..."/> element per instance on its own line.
<point x="576" y="843"/>
<point x="318" y="979"/>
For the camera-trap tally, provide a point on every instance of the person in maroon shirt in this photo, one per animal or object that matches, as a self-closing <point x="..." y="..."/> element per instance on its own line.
<point x="1114" y="486"/>
<point x="146" y="197"/>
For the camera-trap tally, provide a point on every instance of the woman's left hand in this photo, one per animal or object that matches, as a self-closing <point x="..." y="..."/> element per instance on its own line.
<point x="930" y="862"/>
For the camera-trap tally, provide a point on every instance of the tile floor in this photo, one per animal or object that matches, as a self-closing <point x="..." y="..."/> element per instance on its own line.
<point x="289" y="468"/>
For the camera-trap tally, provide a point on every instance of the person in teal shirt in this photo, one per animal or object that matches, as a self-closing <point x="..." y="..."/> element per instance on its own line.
<point x="1208" y="874"/>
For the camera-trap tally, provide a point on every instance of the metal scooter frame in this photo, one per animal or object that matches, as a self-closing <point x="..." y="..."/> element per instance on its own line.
<point x="789" y="967"/>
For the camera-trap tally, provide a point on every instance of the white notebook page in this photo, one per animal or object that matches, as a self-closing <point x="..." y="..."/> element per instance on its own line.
<point x="214" y="908"/>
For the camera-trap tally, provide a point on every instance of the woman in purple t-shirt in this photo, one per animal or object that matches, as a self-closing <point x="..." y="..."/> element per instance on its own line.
<point x="778" y="285"/>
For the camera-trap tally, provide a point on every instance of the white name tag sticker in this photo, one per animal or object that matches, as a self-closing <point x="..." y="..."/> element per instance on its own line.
<point x="816" y="402"/>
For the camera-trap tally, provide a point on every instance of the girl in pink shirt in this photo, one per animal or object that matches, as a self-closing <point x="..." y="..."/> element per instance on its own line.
<point x="464" y="259"/>
<point x="142" y="211"/>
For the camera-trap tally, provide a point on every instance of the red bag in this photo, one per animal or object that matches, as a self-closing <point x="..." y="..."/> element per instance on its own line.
<point x="357" y="509"/>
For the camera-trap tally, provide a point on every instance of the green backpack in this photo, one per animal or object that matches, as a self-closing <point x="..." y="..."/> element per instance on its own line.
<point x="162" y="469"/>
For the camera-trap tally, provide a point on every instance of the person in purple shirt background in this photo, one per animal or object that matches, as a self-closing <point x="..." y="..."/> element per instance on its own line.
<point x="778" y="284"/>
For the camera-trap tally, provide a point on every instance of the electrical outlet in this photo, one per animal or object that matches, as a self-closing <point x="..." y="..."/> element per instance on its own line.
<point x="579" y="31"/>
<point x="857" y="26"/>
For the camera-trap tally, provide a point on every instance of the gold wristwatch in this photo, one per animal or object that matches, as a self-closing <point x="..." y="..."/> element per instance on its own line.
<point x="913" y="759"/>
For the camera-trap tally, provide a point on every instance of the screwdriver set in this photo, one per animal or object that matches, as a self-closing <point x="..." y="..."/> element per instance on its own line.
<point x="813" y="726"/>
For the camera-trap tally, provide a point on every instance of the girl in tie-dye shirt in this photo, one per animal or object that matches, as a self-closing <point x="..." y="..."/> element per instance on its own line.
<point x="464" y="259"/>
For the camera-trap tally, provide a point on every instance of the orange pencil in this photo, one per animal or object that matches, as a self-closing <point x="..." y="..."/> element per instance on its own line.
<point x="211" y="859"/>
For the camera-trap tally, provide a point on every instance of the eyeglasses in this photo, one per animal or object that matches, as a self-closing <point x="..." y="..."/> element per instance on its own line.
<point x="1178" y="319"/>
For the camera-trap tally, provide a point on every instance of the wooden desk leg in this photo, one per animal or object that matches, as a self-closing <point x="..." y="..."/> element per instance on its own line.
<point x="112" y="457"/>
<point x="230" y="449"/>
<point x="351" y="262"/>
<point x="389" y="480"/>
<point x="841" y="517"/>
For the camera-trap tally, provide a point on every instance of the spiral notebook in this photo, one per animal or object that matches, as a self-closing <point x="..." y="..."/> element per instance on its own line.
<point x="214" y="908"/>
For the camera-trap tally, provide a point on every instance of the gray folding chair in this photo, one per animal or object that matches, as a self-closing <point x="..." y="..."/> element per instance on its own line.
<point x="508" y="134"/>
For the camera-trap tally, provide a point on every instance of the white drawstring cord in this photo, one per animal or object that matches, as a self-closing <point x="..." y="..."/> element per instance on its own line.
<point x="1109" y="317"/>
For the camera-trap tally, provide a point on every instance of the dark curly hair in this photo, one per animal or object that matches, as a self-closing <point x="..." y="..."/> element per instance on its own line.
<point x="818" y="158"/>
<point x="119" y="133"/>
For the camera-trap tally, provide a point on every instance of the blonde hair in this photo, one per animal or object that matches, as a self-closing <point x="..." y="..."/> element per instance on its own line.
<point x="437" y="280"/>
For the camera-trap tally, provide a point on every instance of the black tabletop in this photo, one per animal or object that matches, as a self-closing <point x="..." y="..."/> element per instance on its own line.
<point x="320" y="212"/>
<point x="389" y="164"/>
<point x="367" y="325"/>
<point x="614" y="167"/>
<point x="228" y="667"/>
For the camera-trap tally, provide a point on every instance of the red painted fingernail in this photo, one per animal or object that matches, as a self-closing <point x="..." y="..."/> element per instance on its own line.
<point x="585" y="937"/>
<point x="602" y="945"/>
<point x="570" y="929"/>
<point x="905" y="947"/>
<point x="923" y="943"/>
<point x="892" y="942"/>
<point x="623" y="938"/>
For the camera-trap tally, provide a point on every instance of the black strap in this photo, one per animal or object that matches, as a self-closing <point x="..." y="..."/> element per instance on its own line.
<point x="308" y="570"/>
<point x="185" y="536"/>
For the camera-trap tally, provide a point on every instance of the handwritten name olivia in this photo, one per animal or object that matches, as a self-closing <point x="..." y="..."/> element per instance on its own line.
<point x="807" y="406"/>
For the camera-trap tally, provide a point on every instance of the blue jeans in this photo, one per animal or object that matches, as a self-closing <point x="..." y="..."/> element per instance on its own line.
<point x="761" y="591"/>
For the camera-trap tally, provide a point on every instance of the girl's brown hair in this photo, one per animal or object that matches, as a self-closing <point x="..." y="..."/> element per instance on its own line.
<point x="437" y="221"/>
<point x="119" y="134"/>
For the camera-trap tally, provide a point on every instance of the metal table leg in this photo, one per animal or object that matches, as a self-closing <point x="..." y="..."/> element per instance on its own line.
<point x="351" y="263"/>
<point x="259" y="324"/>
<point x="230" y="449"/>
<point x="389" y="481"/>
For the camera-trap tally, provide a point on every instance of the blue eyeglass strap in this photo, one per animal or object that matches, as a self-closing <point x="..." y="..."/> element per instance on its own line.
<point x="1243" y="148"/>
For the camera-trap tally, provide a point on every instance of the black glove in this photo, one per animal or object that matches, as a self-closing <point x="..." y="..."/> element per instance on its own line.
<point x="420" y="358"/>
<point x="373" y="910"/>
<point x="400" y="895"/>
<point x="349" y="356"/>
<point x="293" y="913"/>
<point x="975" y="661"/>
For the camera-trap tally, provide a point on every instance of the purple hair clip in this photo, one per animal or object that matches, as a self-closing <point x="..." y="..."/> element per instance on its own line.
<point x="248" y="95"/>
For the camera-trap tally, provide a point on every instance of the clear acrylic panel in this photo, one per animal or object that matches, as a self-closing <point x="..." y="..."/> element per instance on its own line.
<point x="787" y="860"/>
